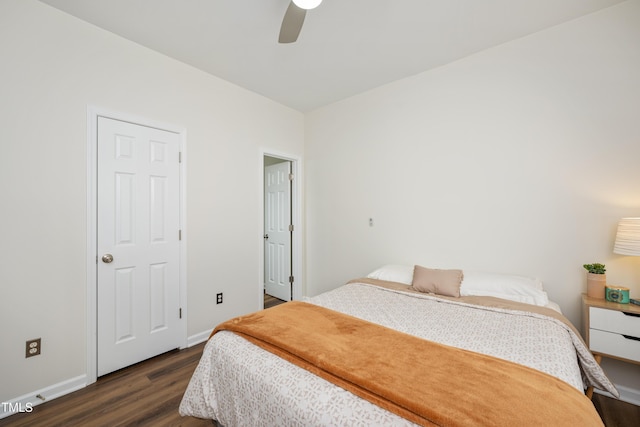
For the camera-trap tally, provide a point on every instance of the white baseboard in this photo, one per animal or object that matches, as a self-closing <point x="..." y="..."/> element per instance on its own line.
<point x="627" y="394"/>
<point x="198" y="338"/>
<point x="26" y="402"/>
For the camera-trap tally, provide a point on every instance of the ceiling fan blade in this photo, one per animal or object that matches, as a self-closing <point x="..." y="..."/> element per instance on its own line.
<point x="291" y="24"/>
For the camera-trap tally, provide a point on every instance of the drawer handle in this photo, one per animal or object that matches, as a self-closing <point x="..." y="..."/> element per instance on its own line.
<point x="631" y="314"/>
<point x="629" y="337"/>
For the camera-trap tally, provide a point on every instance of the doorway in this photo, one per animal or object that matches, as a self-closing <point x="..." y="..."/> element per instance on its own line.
<point x="281" y="239"/>
<point x="136" y="241"/>
<point x="278" y="231"/>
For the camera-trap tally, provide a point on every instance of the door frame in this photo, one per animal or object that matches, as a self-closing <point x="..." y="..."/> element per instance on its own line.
<point x="93" y="112"/>
<point x="296" y="219"/>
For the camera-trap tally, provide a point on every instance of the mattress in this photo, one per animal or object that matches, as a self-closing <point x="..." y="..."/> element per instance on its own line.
<point x="240" y="384"/>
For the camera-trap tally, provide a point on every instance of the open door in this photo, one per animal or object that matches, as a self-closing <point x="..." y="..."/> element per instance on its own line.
<point x="278" y="230"/>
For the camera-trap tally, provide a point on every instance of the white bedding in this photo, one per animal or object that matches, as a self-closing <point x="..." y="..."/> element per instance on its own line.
<point x="240" y="384"/>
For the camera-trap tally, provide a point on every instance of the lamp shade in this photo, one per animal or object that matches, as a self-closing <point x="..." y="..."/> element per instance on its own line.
<point x="628" y="237"/>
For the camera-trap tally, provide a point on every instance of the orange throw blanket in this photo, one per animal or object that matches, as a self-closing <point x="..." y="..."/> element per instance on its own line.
<point x="425" y="382"/>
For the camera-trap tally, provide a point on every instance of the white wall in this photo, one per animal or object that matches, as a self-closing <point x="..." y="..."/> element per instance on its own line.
<point x="519" y="159"/>
<point x="52" y="67"/>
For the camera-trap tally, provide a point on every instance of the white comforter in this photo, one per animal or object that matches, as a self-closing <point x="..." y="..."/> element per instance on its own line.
<point x="239" y="384"/>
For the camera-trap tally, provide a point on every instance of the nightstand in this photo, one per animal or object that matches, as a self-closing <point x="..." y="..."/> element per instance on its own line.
<point x="611" y="330"/>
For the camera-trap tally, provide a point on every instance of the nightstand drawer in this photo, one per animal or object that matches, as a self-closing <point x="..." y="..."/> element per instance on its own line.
<point x="614" y="321"/>
<point x="614" y="345"/>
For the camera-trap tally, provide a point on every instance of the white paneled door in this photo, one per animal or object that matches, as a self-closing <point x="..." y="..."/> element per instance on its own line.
<point x="277" y="237"/>
<point x="138" y="243"/>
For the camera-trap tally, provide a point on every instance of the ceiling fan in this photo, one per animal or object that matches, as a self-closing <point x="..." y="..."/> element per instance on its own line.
<point x="294" y="18"/>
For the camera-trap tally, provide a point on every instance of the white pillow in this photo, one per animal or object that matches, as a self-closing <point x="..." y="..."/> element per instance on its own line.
<point x="510" y="287"/>
<point x="393" y="273"/>
<point x="515" y="288"/>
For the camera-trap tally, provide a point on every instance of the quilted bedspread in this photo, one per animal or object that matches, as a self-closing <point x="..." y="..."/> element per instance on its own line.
<point x="238" y="383"/>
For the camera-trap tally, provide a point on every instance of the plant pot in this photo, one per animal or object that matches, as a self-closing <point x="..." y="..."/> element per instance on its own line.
<point x="596" y="284"/>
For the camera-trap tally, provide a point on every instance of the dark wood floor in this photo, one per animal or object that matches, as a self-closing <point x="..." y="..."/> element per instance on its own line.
<point x="149" y="393"/>
<point x="270" y="301"/>
<point x="616" y="413"/>
<point x="145" y="394"/>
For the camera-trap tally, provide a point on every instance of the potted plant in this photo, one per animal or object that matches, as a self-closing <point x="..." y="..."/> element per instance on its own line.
<point x="596" y="280"/>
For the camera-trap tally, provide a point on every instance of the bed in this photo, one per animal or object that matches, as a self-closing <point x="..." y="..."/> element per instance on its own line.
<point x="494" y="329"/>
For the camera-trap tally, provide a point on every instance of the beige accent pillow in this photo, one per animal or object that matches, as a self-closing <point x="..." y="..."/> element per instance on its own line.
<point x="435" y="281"/>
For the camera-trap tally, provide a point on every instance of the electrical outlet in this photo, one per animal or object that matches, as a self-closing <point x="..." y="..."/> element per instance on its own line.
<point x="219" y="298"/>
<point x="33" y="347"/>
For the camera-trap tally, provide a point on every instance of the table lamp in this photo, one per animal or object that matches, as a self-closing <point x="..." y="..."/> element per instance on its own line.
<point x="628" y="237"/>
<point x="627" y="243"/>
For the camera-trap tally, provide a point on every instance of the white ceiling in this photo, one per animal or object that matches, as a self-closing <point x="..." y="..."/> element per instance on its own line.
<point x="345" y="47"/>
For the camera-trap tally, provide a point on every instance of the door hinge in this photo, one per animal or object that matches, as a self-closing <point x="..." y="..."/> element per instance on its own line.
<point x="179" y="156"/>
<point x="290" y="279"/>
<point x="180" y="312"/>
<point x="179" y="234"/>
<point x="290" y="177"/>
<point x="290" y="227"/>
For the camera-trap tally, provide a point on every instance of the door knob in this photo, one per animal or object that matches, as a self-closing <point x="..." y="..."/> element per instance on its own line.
<point x="107" y="258"/>
<point x="266" y="236"/>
